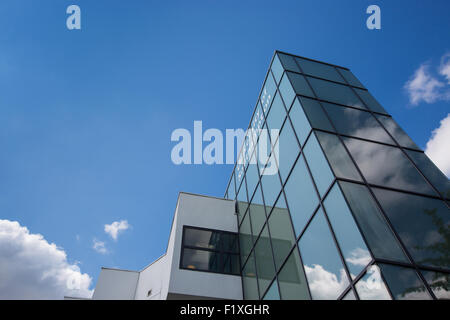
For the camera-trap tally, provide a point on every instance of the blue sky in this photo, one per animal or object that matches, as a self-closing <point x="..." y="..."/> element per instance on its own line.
<point x="86" y="116"/>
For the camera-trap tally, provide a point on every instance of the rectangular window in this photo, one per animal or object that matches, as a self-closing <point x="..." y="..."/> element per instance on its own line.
<point x="210" y="250"/>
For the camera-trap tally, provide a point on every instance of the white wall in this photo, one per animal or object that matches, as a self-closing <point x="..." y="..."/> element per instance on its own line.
<point x="152" y="278"/>
<point x="114" y="284"/>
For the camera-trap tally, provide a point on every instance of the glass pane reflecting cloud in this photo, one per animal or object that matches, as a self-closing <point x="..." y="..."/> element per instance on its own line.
<point x="371" y="286"/>
<point x="439" y="283"/>
<point x="393" y="128"/>
<point x="336" y="93"/>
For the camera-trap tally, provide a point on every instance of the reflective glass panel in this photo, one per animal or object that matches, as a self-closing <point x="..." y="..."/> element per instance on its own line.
<point x="288" y="150"/>
<point x="320" y="70"/>
<point x="287" y="92"/>
<point x="299" y="84"/>
<point x="277" y="68"/>
<point x="371" y="286"/>
<point x="201" y="238"/>
<point x="376" y="231"/>
<point x="281" y="231"/>
<point x="300" y="195"/>
<point x="272" y="293"/>
<point x="324" y="270"/>
<point x="350" y="77"/>
<point x="291" y="279"/>
<point x="422" y="223"/>
<point x="352" y="245"/>
<point x="317" y="118"/>
<point x="338" y="157"/>
<point x="277" y="114"/>
<point x="245" y="238"/>
<point x="386" y="166"/>
<point x="242" y="201"/>
<point x="439" y="283"/>
<point x="318" y="165"/>
<point x="257" y="212"/>
<point x="231" y="190"/>
<point x="429" y="169"/>
<point x="336" y="93"/>
<point x="394" y="129"/>
<point x="288" y="62"/>
<point x="349" y="296"/>
<point x="299" y="121"/>
<point x="404" y="283"/>
<point x="370" y="101"/>
<point x="264" y="261"/>
<point x="249" y="281"/>
<point x="271" y="188"/>
<point x="252" y="175"/>
<point x="267" y="94"/>
<point x="356" y="123"/>
<point x="201" y="260"/>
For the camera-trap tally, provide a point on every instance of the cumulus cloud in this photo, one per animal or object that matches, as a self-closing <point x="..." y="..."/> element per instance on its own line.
<point x="425" y="86"/>
<point x="99" y="246"/>
<point x="437" y="147"/>
<point x="116" y="227"/>
<point x="32" y="268"/>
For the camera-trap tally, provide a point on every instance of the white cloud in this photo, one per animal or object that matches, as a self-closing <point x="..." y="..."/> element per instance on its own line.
<point x="423" y="86"/>
<point x="32" y="268"/>
<point x="325" y="285"/>
<point x="444" y="68"/>
<point x="116" y="227"/>
<point x="99" y="246"/>
<point x="359" y="257"/>
<point x="437" y="147"/>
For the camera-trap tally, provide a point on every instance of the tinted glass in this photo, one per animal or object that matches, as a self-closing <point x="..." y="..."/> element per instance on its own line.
<point x="272" y="293"/>
<point x="370" y="101"/>
<point x="386" y="166"/>
<point x="201" y="260"/>
<point x="252" y="175"/>
<point x="242" y="200"/>
<point x="271" y="188"/>
<point x="317" y="118"/>
<point x="439" y="283"/>
<point x="299" y="121"/>
<point x="352" y="245"/>
<point x="288" y="150"/>
<point x="281" y="231"/>
<point x="257" y="212"/>
<point x="376" y="231"/>
<point x="319" y="70"/>
<point x="301" y="196"/>
<point x="427" y="237"/>
<point x="299" y="84"/>
<point x="404" y="283"/>
<point x="245" y="238"/>
<point x="351" y="79"/>
<point x="292" y="279"/>
<point x="318" y="165"/>
<point x="429" y="169"/>
<point x="288" y="62"/>
<point x="349" y="296"/>
<point x="371" y="286"/>
<point x="249" y="281"/>
<point x="336" y="93"/>
<point x="267" y="94"/>
<point x="356" y="123"/>
<point x="287" y="92"/>
<point x="338" y="157"/>
<point x="277" y="114"/>
<point x="264" y="261"/>
<point x="201" y="238"/>
<point x="277" y="68"/>
<point x="231" y="190"/>
<point x="324" y="270"/>
<point x="393" y="128"/>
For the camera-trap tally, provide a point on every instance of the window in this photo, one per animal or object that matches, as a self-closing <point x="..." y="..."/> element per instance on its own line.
<point x="210" y="250"/>
<point x="351" y="79"/>
<point x="320" y="70"/>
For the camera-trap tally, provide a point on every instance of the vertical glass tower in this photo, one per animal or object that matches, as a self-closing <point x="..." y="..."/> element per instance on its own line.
<point x="355" y="210"/>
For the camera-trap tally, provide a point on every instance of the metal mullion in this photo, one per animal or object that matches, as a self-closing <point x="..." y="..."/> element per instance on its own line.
<point x="313" y="60"/>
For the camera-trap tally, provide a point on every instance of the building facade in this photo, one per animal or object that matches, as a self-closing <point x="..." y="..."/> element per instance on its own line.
<point x="355" y="210"/>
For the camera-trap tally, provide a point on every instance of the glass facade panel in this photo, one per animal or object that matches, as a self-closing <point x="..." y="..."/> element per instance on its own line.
<point x="242" y="200"/>
<point x="356" y="123"/>
<point x="288" y="150"/>
<point x="371" y="286"/>
<point x="379" y="237"/>
<point x="318" y="165"/>
<point x="338" y="157"/>
<point x="393" y="128"/>
<point x="231" y="190"/>
<point x="320" y="70"/>
<point x="271" y="187"/>
<point x="301" y="195"/>
<point x="288" y="62"/>
<point x="201" y="238"/>
<point x="272" y="293"/>
<point x="268" y="93"/>
<point x="429" y="169"/>
<point x="277" y="114"/>
<point x="404" y="283"/>
<point x="257" y="212"/>
<point x="249" y="281"/>
<point x="439" y="283"/>
<point x="351" y="79"/>
<point x="370" y="101"/>
<point x="201" y="260"/>
<point x="317" y="118"/>
<point x="291" y="279"/>
<point x="323" y="266"/>
<point x="386" y="166"/>
<point x="336" y="93"/>
<point x="349" y="296"/>
<point x="277" y="68"/>
<point x="264" y="261"/>
<point x="245" y="238"/>
<point x="422" y="224"/>
<point x="352" y="245"/>
<point x="299" y="84"/>
<point x="281" y="231"/>
<point x="252" y="176"/>
<point x="299" y="121"/>
<point x="287" y="92"/>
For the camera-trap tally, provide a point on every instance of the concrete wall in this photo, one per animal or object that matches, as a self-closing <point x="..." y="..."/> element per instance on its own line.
<point x="114" y="284"/>
<point x="152" y="278"/>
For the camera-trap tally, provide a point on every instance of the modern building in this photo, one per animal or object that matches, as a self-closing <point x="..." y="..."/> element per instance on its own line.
<point x="355" y="210"/>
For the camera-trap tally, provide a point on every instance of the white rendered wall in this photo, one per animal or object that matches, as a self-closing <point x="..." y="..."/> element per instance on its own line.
<point x="152" y="278"/>
<point x="113" y="284"/>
